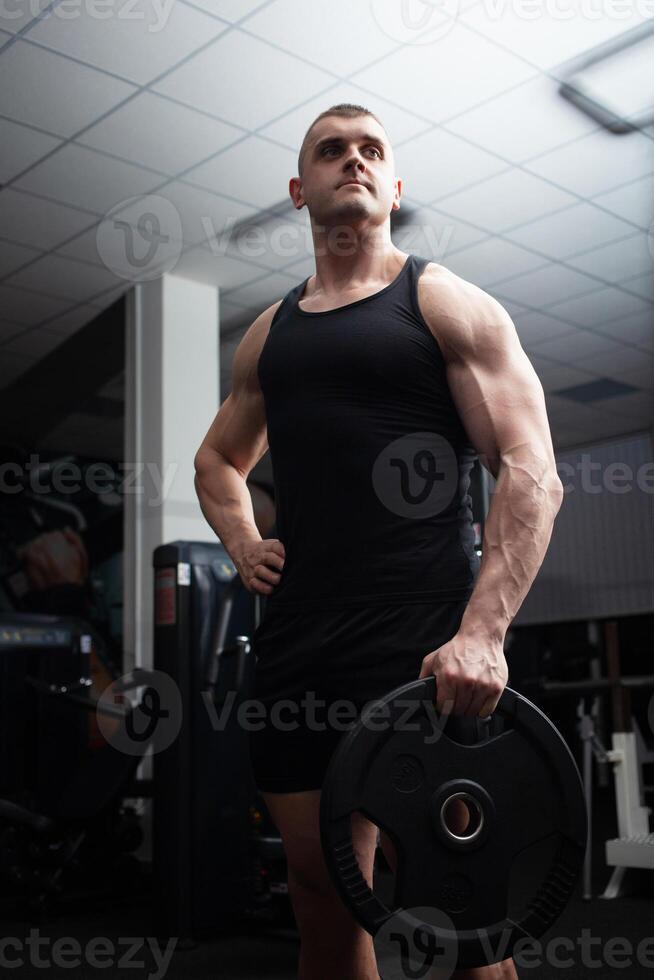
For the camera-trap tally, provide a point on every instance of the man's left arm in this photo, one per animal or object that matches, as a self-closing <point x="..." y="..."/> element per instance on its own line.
<point x="502" y="407"/>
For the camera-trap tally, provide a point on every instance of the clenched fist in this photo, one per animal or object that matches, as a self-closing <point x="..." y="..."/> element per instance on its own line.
<point x="259" y="563"/>
<point x="471" y="672"/>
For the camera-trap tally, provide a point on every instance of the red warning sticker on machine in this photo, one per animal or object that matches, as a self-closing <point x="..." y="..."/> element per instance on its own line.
<point x="165" y="586"/>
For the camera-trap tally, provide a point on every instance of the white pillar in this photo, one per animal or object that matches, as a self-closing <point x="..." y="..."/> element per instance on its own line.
<point x="171" y="396"/>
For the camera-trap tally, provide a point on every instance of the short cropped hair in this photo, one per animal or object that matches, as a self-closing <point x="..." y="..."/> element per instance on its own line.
<point x="345" y="109"/>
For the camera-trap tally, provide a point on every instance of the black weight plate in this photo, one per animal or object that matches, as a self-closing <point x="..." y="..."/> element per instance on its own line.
<point x="400" y="763"/>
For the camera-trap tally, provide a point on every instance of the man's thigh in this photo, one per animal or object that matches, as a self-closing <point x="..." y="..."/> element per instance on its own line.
<point x="297" y="818"/>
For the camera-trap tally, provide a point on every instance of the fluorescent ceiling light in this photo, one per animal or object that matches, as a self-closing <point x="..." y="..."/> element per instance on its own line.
<point x="614" y="83"/>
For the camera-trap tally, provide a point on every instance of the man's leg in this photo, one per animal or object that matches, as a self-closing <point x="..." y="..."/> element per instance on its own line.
<point x="498" y="971"/>
<point x="333" y="946"/>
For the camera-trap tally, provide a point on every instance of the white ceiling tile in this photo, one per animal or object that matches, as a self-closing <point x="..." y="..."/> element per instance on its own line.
<point x="201" y="265"/>
<point x="253" y="170"/>
<point x="399" y="123"/>
<point x="35" y="343"/>
<point x="43" y="89"/>
<point x="434" y="235"/>
<point x="205" y="216"/>
<point x="597" y="162"/>
<point x="64" y="277"/>
<point x="536" y="288"/>
<point x="138" y="40"/>
<point x="512" y="308"/>
<point x="633" y="201"/>
<point x="108" y="297"/>
<point x="75" y="175"/>
<point x="637" y="406"/>
<point x="601" y="425"/>
<point x="12" y="256"/>
<point x="263" y="292"/>
<point x="555" y="376"/>
<point x="643" y="285"/>
<point x="616" y="364"/>
<point x="571" y="230"/>
<point x="634" y="329"/>
<point x="511" y="198"/>
<point x="141" y="130"/>
<point x="317" y="32"/>
<point x="546" y="34"/>
<point x="12" y="366"/>
<point x="8" y="330"/>
<point x="14" y="16"/>
<point x="272" y="243"/>
<point x="21" y="147"/>
<point x="617" y="260"/>
<point x="491" y="261"/>
<point x="641" y="376"/>
<point x="430" y="79"/>
<point x="73" y="320"/>
<point x="33" y="221"/>
<point x="523" y="122"/>
<point x="226" y="81"/>
<point x="231" y="10"/>
<point x="577" y="344"/>
<point x="534" y="327"/>
<point x="29" y="308"/>
<point x="436" y="163"/>
<point x="558" y="408"/>
<point x="599" y="307"/>
<point x="567" y="437"/>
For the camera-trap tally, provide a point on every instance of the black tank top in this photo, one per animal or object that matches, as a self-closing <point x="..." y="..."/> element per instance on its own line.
<point x="371" y="463"/>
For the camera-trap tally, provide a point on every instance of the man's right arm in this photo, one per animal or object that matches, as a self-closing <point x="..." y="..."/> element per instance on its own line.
<point x="234" y="444"/>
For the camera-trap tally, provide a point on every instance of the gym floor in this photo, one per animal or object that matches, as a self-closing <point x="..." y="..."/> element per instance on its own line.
<point x="259" y="952"/>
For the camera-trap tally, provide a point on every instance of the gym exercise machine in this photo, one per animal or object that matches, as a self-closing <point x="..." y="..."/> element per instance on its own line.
<point x="633" y="848"/>
<point x="215" y="858"/>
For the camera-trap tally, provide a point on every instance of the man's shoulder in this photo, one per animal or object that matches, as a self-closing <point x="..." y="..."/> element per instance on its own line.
<point x="457" y="311"/>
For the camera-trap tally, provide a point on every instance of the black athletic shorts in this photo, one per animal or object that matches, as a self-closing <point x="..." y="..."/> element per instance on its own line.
<point x="306" y="661"/>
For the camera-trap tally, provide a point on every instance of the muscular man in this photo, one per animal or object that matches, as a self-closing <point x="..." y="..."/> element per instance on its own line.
<point x="364" y="375"/>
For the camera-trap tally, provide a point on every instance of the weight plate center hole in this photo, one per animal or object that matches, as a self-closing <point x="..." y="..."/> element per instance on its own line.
<point x="462" y="817"/>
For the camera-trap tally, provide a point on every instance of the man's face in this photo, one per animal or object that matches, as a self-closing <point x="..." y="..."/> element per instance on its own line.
<point x="339" y="152"/>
